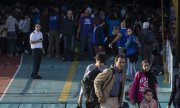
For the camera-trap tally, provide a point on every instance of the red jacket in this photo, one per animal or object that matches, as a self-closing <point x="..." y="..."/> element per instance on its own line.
<point x="143" y="84"/>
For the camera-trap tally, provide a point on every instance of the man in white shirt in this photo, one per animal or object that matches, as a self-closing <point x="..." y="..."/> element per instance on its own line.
<point x="36" y="39"/>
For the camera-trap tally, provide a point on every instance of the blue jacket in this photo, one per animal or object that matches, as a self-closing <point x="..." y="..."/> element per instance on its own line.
<point x="98" y="36"/>
<point x="131" y="45"/>
<point x="122" y="41"/>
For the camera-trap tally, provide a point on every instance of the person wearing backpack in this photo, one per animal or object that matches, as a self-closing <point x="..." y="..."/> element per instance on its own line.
<point x="132" y="46"/>
<point x="87" y="87"/>
<point x="143" y="79"/>
<point x="109" y="85"/>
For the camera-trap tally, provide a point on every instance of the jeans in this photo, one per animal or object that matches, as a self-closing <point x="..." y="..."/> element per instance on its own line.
<point x="68" y="47"/>
<point x="54" y="43"/>
<point x="131" y="69"/>
<point x="86" y="40"/>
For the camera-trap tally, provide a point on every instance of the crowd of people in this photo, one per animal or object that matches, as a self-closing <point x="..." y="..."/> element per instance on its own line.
<point x="68" y="30"/>
<point x="131" y="31"/>
<point x="105" y="89"/>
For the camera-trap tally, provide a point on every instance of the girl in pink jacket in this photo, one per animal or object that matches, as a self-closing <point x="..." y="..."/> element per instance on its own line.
<point x="143" y="79"/>
<point x="148" y="101"/>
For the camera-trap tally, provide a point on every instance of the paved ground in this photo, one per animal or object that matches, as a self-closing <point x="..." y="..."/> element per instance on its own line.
<point x="59" y="87"/>
<point x="8" y="67"/>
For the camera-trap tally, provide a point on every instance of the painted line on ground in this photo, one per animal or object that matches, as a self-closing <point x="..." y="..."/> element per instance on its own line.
<point x="67" y="86"/>
<point x="12" y="79"/>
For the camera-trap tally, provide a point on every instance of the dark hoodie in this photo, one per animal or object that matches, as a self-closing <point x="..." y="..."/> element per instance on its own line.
<point x="175" y="94"/>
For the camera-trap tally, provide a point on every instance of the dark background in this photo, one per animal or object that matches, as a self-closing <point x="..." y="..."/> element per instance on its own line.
<point x="153" y="3"/>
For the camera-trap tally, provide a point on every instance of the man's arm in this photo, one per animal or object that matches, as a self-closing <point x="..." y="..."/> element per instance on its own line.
<point x="33" y="40"/>
<point x="116" y="39"/>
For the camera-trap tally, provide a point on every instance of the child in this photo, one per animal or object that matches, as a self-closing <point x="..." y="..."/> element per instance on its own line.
<point x="148" y="101"/>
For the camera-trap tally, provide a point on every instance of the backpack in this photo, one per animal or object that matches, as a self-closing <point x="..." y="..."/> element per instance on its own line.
<point x="132" y="46"/>
<point x="132" y="53"/>
<point x="88" y="86"/>
<point x="136" y="90"/>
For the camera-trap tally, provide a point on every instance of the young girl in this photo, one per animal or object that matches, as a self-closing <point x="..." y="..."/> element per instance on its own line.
<point x="143" y="79"/>
<point x="148" y="101"/>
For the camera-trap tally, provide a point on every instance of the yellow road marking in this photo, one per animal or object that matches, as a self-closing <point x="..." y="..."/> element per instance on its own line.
<point x="65" y="92"/>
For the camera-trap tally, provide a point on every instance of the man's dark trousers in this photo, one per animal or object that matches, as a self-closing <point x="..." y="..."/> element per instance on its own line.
<point x="37" y="57"/>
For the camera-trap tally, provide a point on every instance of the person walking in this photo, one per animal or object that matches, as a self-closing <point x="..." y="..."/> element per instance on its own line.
<point x="100" y="65"/>
<point x="109" y="85"/>
<point x="143" y="79"/>
<point x="36" y="39"/>
<point x="121" y="38"/>
<point x="175" y="94"/>
<point x="132" y="46"/>
<point x="113" y="24"/>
